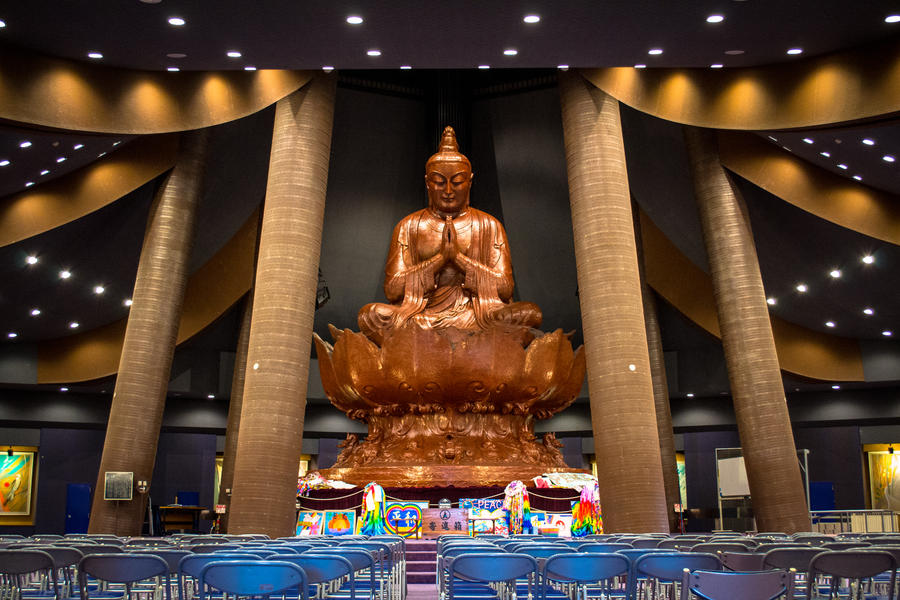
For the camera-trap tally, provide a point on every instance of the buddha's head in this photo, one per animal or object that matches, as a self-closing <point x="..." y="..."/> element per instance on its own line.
<point x="448" y="177"/>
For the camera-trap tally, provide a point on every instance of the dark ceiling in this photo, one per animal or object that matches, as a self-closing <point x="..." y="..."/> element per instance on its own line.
<point x="102" y="248"/>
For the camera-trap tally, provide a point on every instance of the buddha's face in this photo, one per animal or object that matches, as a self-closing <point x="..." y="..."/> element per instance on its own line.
<point x="448" y="186"/>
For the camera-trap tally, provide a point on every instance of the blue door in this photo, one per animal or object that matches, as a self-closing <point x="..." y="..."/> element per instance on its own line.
<point x="78" y="507"/>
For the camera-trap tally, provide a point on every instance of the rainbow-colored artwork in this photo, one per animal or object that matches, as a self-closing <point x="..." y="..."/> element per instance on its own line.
<point x="404" y="518"/>
<point x="310" y="523"/>
<point x="16" y="474"/>
<point x="339" y="522"/>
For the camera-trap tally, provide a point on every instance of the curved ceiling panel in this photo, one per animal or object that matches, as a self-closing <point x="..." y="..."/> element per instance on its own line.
<point x="822" y="193"/>
<point x="72" y="95"/>
<point x="211" y="291"/>
<point x="800" y="351"/>
<point x="857" y="84"/>
<point x="76" y="194"/>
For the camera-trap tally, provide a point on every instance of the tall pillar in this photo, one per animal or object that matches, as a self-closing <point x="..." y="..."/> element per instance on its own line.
<point x="234" y="411"/>
<point x="660" y="385"/>
<point x="621" y="390"/>
<point x="764" y="425"/>
<point x="270" y="438"/>
<point x="139" y="398"/>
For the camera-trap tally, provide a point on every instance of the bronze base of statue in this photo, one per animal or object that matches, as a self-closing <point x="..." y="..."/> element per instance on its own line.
<point x="449" y="406"/>
<point x="418" y="476"/>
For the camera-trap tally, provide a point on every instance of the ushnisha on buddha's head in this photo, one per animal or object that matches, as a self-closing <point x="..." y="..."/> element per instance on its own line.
<point x="448" y="177"/>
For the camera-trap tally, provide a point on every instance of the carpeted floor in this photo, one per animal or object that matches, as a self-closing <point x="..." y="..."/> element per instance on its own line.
<point x="421" y="591"/>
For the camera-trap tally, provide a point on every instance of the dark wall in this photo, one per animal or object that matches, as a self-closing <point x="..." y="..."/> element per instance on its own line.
<point x="184" y="462"/>
<point x="835" y="456"/>
<point x="700" y="473"/>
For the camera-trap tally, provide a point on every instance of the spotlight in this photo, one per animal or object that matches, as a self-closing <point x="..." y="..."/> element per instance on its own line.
<point x="890" y="449"/>
<point x="9" y="451"/>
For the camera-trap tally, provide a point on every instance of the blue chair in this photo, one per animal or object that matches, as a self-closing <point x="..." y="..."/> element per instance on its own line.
<point x="388" y="569"/>
<point x="733" y="585"/>
<point x="742" y="561"/>
<point x="253" y="578"/>
<point x="667" y="568"/>
<point x="362" y="562"/>
<point x="15" y="564"/>
<point x="324" y="571"/>
<point x="603" y="547"/>
<point x="583" y="569"/>
<point x="64" y="560"/>
<point x="190" y="566"/>
<point x="124" y="569"/>
<point x="858" y="567"/>
<point x="482" y="568"/>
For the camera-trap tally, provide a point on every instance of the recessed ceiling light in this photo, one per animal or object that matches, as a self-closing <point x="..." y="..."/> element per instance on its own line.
<point x="868" y="142"/>
<point x="95" y="55"/>
<point x="771" y="301"/>
<point x="211" y="396"/>
<point x="801" y="287"/>
<point x="773" y="138"/>
<point x="835" y="387"/>
<point x="65" y="274"/>
<point x="24" y="144"/>
<point x="35" y="312"/>
<point x="716" y="66"/>
<point x="655" y="51"/>
<point x="562" y="67"/>
<point x="510" y="52"/>
<point x="64" y="389"/>
<point x="793" y="51"/>
<point x="176" y="21"/>
<point x="176" y="55"/>
<point x="233" y="54"/>
<point x="127" y="302"/>
<point x="405" y="67"/>
<point x="532" y="18"/>
<point x="77" y="146"/>
<point x="857" y="177"/>
<point x="484" y="66"/>
<point x="328" y="68"/>
<point x="99" y="289"/>
<point x="172" y="69"/>
<point x="61" y="159"/>
<point x="101" y="155"/>
<point x="868" y="311"/>
<point x="640" y="66"/>
<point x="715" y="18"/>
<point x="4" y="162"/>
<point x="808" y="140"/>
<point x="373" y="52"/>
<point x="892" y="19"/>
<point x="842" y="166"/>
<point x="689" y="395"/>
<point x="117" y="142"/>
<point x="12" y="334"/>
<point x="249" y="68"/>
<point x="355" y="20"/>
<point x="29" y="183"/>
<point x="825" y="154"/>
<point x="868" y="259"/>
<point x="73" y="325"/>
<point x="31" y="260"/>
<point x="2" y="24"/>
<point x="786" y="148"/>
<point x="734" y="52"/>
<point x="887" y="333"/>
<point x="888" y="158"/>
<point x="829" y="323"/>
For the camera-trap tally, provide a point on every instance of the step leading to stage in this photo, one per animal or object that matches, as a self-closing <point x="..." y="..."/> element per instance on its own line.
<point x="421" y="562"/>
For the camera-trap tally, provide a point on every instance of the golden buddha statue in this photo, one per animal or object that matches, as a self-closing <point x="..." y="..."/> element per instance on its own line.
<point x="450" y="376"/>
<point x="449" y="263"/>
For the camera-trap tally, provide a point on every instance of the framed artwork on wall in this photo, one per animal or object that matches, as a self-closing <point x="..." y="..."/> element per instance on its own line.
<point x="16" y="482"/>
<point x="118" y="485"/>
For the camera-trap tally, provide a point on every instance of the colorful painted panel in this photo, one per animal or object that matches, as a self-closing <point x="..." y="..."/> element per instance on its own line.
<point x="884" y="476"/>
<point x="405" y="518"/>
<point x="485" y="521"/>
<point x="310" y="523"/>
<point x="339" y="522"/>
<point x="16" y="477"/>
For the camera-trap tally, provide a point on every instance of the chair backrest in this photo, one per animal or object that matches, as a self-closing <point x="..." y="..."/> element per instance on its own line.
<point x="21" y="561"/>
<point x="172" y="556"/>
<point x="253" y="578"/>
<point x="670" y="544"/>
<point x="742" y="561"/>
<point x="669" y="566"/>
<point x="713" y="547"/>
<point x="853" y="564"/>
<point x="733" y="585"/>
<point x="491" y="566"/>
<point x="123" y="568"/>
<point x="812" y="539"/>
<point x="321" y="568"/>
<point x="884" y="541"/>
<point x="603" y="547"/>
<point x="790" y="558"/>
<point x="204" y="548"/>
<point x="62" y="556"/>
<point x="585" y="567"/>
<point x="766" y="546"/>
<point x="87" y="549"/>
<point x="846" y="545"/>
<point x="646" y="542"/>
<point x="544" y="550"/>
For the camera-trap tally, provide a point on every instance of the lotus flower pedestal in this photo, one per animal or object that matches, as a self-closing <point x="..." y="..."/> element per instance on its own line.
<point x="446" y="407"/>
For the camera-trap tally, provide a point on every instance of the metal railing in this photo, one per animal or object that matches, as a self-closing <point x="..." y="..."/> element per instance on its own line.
<point x="857" y="521"/>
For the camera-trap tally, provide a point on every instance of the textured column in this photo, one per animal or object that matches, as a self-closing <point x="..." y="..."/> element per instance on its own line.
<point x="622" y="412"/>
<point x="234" y="411"/>
<point x="660" y="385"/>
<point x="271" y="432"/>
<point x="764" y="425"/>
<point x="139" y="398"/>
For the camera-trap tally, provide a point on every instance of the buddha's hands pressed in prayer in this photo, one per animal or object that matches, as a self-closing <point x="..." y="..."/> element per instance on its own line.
<point x="449" y="241"/>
